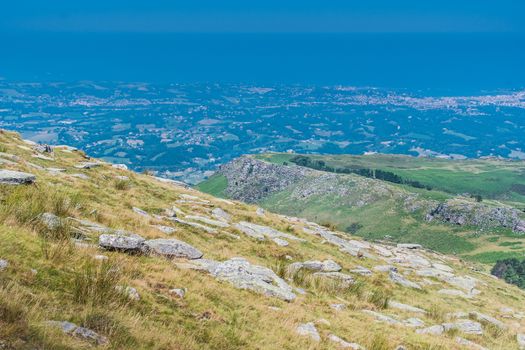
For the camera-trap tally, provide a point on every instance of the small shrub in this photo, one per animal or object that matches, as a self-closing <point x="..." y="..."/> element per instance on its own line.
<point x="121" y="185"/>
<point x="94" y="283"/>
<point x="380" y="297"/>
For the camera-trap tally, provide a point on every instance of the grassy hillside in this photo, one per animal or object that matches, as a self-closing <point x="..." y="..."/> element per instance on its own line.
<point x="382" y="209"/>
<point x="490" y="178"/>
<point x="57" y="272"/>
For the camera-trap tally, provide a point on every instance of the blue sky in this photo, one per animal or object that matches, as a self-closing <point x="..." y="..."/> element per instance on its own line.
<point x="421" y="16"/>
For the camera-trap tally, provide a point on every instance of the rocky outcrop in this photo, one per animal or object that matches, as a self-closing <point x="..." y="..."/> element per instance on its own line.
<point x="10" y="177"/>
<point x="250" y="180"/>
<point x="463" y="212"/>
<point x="244" y="275"/>
<point x="122" y="240"/>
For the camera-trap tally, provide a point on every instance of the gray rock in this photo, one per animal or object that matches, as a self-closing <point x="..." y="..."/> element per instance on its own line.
<point x="382" y="318"/>
<point x="405" y="307"/>
<point x="208" y="229"/>
<point x="384" y="268"/>
<point x="173" y="248"/>
<point x="465" y="326"/>
<point x="360" y="270"/>
<point x="414" y="322"/>
<point x="220" y="214"/>
<point x="344" y="279"/>
<point x="81" y="176"/>
<point x="140" y="211"/>
<point x="343" y="343"/>
<point x="470" y="344"/>
<point x="308" y="330"/>
<point x="487" y="319"/>
<point x="51" y="221"/>
<point x="314" y="265"/>
<point x="338" y="307"/>
<point x="208" y="221"/>
<point x="243" y="275"/>
<point x="455" y="293"/>
<point x="260" y="232"/>
<point x="120" y="166"/>
<point x="179" y="292"/>
<point x="434" y="330"/>
<point x="130" y="292"/>
<point x="3" y="264"/>
<point x="399" y="279"/>
<point x="87" y="165"/>
<point x="165" y="229"/>
<point x="122" y="240"/>
<point x="10" y="177"/>
<point x="280" y="242"/>
<point x="79" y="332"/>
<point x="520" y="338"/>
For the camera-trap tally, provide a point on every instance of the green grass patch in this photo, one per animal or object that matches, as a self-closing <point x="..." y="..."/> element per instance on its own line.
<point x="215" y="185"/>
<point x="492" y="257"/>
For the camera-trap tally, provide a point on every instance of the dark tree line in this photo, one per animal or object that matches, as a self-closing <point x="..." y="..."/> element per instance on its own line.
<point x="511" y="270"/>
<point x="366" y="172"/>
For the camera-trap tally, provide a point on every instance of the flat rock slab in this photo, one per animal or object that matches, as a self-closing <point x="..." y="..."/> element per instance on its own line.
<point x="308" y="330"/>
<point x="173" y="248"/>
<point x="11" y="177"/>
<point x="122" y="240"/>
<point x="240" y="273"/>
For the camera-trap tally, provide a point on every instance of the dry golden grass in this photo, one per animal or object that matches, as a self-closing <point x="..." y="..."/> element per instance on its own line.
<point x="69" y="284"/>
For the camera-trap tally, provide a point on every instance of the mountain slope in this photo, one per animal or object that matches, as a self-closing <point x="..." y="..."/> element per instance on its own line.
<point x="95" y="256"/>
<point x="393" y="208"/>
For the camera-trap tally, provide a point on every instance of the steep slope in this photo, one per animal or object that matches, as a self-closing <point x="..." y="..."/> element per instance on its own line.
<point x="95" y="256"/>
<point x="375" y="208"/>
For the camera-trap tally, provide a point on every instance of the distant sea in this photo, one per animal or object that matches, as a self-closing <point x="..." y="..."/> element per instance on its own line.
<point x="438" y="63"/>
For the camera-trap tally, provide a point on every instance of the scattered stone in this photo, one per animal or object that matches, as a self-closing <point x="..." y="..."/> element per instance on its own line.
<point x="43" y="148"/>
<point x="465" y="326"/>
<point x="384" y="268"/>
<point x="130" y="292"/>
<point x="87" y="165"/>
<point x="382" y="318"/>
<point x="308" y="330"/>
<point x="79" y="332"/>
<point x="208" y="221"/>
<point x="471" y="344"/>
<point x="173" y="248"/>
<point x="122" y="240"/>
<point x="179" y="292"/>
<point x="343" y="343"/>
<point x="51" y="221"/>
<point x="314" y="265"/>
<point x="81" y="176"/>
<point x="220" y="214"/>
<point x="194" y="224"/>
<point x="260" y="232"/>
<point x="100" y="257"/>
<point x="338" y="307"/>
<point x="280" y="242"/>
<point x="3" y="264"/>
<point x="520" y="338"/>
<point x="405" y="307"/>
<point x="487" y="319"/>
<point x="120" y="166"/>
<point x="455" y="293"/>
<point x="260" y="211"/>
<point x="434" y="330"/>
<point x="165" y="229"/>
<point x="10" y="177"/>
<point x="344" y="279"/>
<point x="360" y="270"/>
<point x="397" y="278"/>
<point x="409" y="246"/>
<point x="140" y="211"/>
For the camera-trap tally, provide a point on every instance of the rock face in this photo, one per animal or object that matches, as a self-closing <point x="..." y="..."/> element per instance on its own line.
<point x="10" y="177"/>
<point x="241" y="274"/>
<point x="79" y="332"/>
<point x="3" y="264"/>
<point x="51" y="221"/>
<point x="122" y="240"/>
<point x="172" y="248"/>
<point x="461" y="212"/>
<point x="250" y="180"/>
